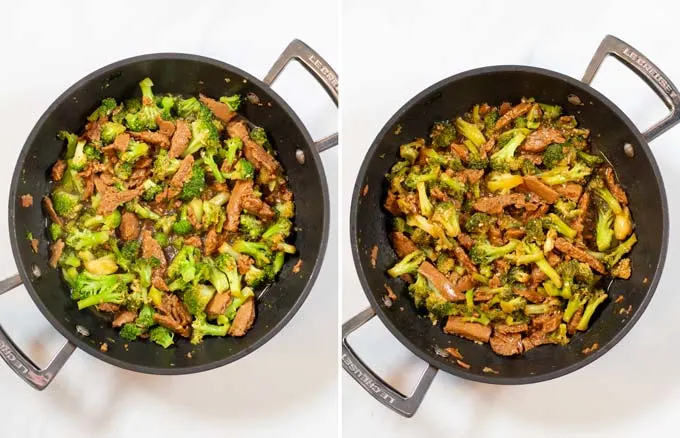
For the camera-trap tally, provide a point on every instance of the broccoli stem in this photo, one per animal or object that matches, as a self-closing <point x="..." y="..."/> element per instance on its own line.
<point x="593" y="302"/>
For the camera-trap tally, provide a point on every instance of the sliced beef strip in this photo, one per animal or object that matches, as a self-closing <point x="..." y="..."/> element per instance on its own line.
<point x="244" y="263"/>
<point x="111" y="198"/>
<point x="540" y="211"/>
<point x="169" y="323"/>
<point x="157" y="280"/>
<point x="129" y="226"/>
<point x="537" y="276"/>
<point x="439" y="281"/>
<point x="507" y="329"/>
<point x="26" y="201"/>
<point x="539" y="140"/>
<point x="541" y="189"/>
<point x="242" y="190"/>
<point x="474" y="331"/>
<point x="253" y="151"/>
<point x="501" y="265"/>
<point x="438" y="195"/>
<point x="482" y="295"/>
<point x="108" y="307"/>
<point x="464" y="260"/>
<point x="495" y="204"/>
<point x="124" y="317"/>
<point x="257" y="207"/>
<point x="89" y="187"/>
<point x="514" y="233"/>
<point x="583" y="204"/>
<point x="575" y="319"/>
<point x="506" y="344"/>
<point x="218" y="304"/>
<point x="58" y="170"/>
<point x="547" y="322"/>
<point x="120" y="143"/>
<point x="460" y="150"/>
<point x="180" y="140"/>
<point x="93" y="129"/>
<point x="181" y="176"/>
<point x="570" y="191"/>
<point x="495" y="236"/>
<point x="530" y="294"/>
<point x="219" y="109"/>
<point x="143" y="163"/>
<point x="173" y="307"/>
<point x="194" y="241"/>
<point x="55" y="252"/>
<point x="402" y="245"/>
<point x="534" y="340"/>
<point x="465" y="240"/>
<point x="566" y="248"/>
<point x="49" y="208"/>
<point x="614" y="187"/>
<point x="537" y="159"/>
<point x="151" y="248"/>
<point x="151" y="137"/>
<point x="553" y="259"/>
<point x="212" y="241"/>
<point x="391" y="204"/>
<point x="511" y="114"/>
<point x="471" y="175"/>
<point x="165" y="127"/>
<point x="245" y="316"/>
<point x="464" y="284"/>
<point x="504" y="108"/>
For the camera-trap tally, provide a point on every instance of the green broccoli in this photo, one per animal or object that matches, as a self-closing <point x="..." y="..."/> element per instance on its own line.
<point x="122" y="170"/>
<point x="167" y="103"/>
<point x="449" y="161"/>
<point x="243" y="169"/>
<point x="278" y="231"/>
<point x="233" y="146"/>
<point x="91" y="289"/>
<point x="407" y="265"/>
<point x="141" y="211"/>
<point x="554" y="221"/>
<point x="604" y="233"/>
<point x="197" y="298"/>
<point x="111" y="130"/>
<point x="79" y="159"/>
<point x="483" y="252"/>
<point x="233" y="102"/>
<point x="208" y="155"/>
<point x="131" y="332"/>
<point x="201" y="328"/>
<point x="478" y="223"/>
<point x="135" y="151"/>
<point x="258" y="251"/>
<point x="151" y="190"/>
<point x="445" y="214"/>
<point x="203" y="134"/>
<point x="430" y="228"/>
<point x="417" y="174"/>
<point x="55" y="230"/>
<point x="104" y="110"/>
<point x="533" y="119"/>
<point x="504" y="159"/>
<point x="164" y="166"/>
<point x="259" y="136"/>
<point x="593" y="303"/>
<point x="227" y="264"/>
<point x="470" y="131"/>
<point x="553" y="155"/>
<point x="256" y="276"/>
<point x="613" y="257"/>
<point x="85" y="239"/>
<point x="189" y="108"/>
<point x="162" y="336"/>
<point x="184" y="264"/>
<point x="108" y="222"/>
<point x="490" y="120"/>
<point x="410" y="151"/>
<point x="563" y="174"/>
<point x="251" y="226"/>
<point x="603" y="192"/>
<point x="285" y="209"/>
<point x="589" y="160"/>
<point x="212" y="209"/>
<point x="145" y="118"/>
<point x="71" y="142"/>
<point x="550" y="112"/>
<point x="66" y="204"/>
<point x="442" y="134"/>
<point x="193" y="187"/>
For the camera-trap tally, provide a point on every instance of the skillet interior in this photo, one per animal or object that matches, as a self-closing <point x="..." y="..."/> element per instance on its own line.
<point x="610" y="129"/>
<point x="188" y="75"/>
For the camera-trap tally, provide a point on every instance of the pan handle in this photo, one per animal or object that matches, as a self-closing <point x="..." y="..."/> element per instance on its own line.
<point x="319" y="68"/>
<point x="19" y="362"/>
<point x="374" y="385"/>
<point x="647" y="71"/>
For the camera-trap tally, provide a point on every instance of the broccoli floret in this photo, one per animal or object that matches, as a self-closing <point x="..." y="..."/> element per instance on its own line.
<point x="185" y="264"/>
<point x="201" y="328"/>
<point x="66" y="204"/>
<point x="233" y="102"/>
<point x="470" y="131"/>
<point x="410" y="151"/>
<point x="518" y="275"/>
<point x="445" y="214"/>
<point x="85" y="239"/>
<point x="233" y="146"/>
<point x="568" y="271"/>
<point x="141" y="211"/>
<point x="604" y="232"/>
<point x="135" y="151"/>
<point x="162" y="336"/>
<point x="227" y="264"/>
<point x="426" y="207"/>
<point x="567" y="209"/>
<point x="197" y="298"/>
<point x="417" y="174"/>
<point x="93" y="153"/>
<point x="430" y="228"/>
<point x="278" y="231"/>
<point x="442" y="134"/>
<point x="243" y="169"/>
<point x="151" y="190"/>
<point x="256" y="276"/>
<point x="90" y="289"/>
<point x="104" y="110"/>
<point x="527" y="167"/>
<point x="111" y="130"/>
<point x="203" y="134"/>
<point x="211" y="210"/>
<point x="613" y="257"/>
<point x="145" y="317"/>
<point x="589" y="160"/>
<point x="167" y="103"/>
<point x="182" y="227"/>
<point x="79" y="159"/>
<point x="533" y="119"/>
<point x="258" y="251"/>
<point x="478" y="223"/>
<point x="448" y="161"/>
<point x="483" y="252"/>
<point x="108" y="222"/>
<point x="408" y="264"/>
<point x="513" y="305"/>
<point x="130" y="249"/>
<point x="575" y="302"/>
<point x="553" y="155"/>
<point x="503" y="181"/>
<point x="145" y="118"/>
<point x="551" y="112"/>
<point x="193" y="187"/>
<point x="520" y="122"/>
<point x="259" y="136"/>
<point x="189" y="108"/>
<point x="251" y="226"/>
<point x="122" y="170"/>
<point x="563" y="174"/>
<point x="593" y="302"/>
<point x="452" y="185"/>
<point x="504" y="159"/>
<point x="56" y="231"/>
<point x="534" y="231"/>
<point x="554" y="221"/>
<point x="164" y="166"/>
<point x="131" y="332"/>
<point x="209" y="159"/>
<point x="71" y="142"/>
<point x="490" y="120"/>
<point x="285" y="209"/>
<point x="144" y="269"/>
<point x="603" y="192"/>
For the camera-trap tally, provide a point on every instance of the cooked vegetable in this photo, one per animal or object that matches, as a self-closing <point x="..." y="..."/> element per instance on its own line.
<point x="143" y="216"/>
<point x="507" y="223"/>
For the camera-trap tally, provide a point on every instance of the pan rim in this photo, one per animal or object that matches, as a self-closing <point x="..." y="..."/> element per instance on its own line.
<point x="450" y="367"/>
<point x="314" y="159"/>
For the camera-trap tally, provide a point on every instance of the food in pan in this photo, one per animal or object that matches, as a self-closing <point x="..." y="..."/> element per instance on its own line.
<point x="508" y="226"/>
<point x="166" y="213"/>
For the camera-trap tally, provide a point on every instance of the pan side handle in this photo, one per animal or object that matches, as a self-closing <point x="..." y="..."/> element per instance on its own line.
<point x="319" y="68"/>
<point x="374" y="385"/>
<point x="19" y="362"/>
<point x="647" y="71"/>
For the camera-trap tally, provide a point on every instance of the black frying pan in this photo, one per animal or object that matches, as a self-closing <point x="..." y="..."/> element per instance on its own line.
<point x="610" y="130"/>
<point x="189" y="75"/>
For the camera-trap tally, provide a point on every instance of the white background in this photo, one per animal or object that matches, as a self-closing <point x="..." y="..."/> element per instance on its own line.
<point x="289" y="386"/>
<point x="391" y="50"/>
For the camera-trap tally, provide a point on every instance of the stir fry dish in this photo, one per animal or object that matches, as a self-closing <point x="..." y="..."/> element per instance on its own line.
<point x="508" y="226"/>
<point x="166" y="213"/>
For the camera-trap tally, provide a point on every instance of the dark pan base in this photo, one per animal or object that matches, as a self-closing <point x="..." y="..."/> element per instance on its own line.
<point x="610" y="129"/>
<point x="188" y="75"/>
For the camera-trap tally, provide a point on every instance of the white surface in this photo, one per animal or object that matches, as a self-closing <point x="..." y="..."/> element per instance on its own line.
<point x="392" y="50"/>
<point x="287" y="387"/>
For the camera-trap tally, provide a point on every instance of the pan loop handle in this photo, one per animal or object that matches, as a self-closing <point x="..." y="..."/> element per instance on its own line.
<point x="647" y="71"/>
<point x="319" y="68"/>
<point x="19" y="362"/>
<point x="374" y="385"/>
